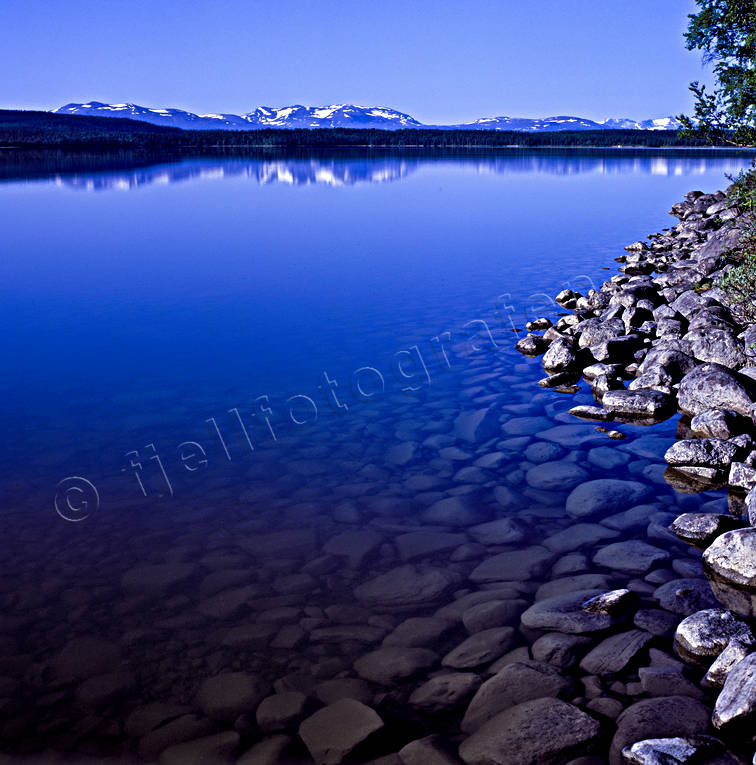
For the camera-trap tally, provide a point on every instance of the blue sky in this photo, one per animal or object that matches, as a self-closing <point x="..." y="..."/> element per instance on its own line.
<point x="441" y="61"/>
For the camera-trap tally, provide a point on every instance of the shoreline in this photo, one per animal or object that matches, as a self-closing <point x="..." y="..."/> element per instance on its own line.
<point x="658" y="339"/>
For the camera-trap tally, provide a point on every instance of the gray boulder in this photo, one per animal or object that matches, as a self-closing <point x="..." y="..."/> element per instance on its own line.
<point x="642" y="404"/>
<point x="713" y="386"/>
<point x="334" y="731"/>
<point x="514" y="684"/>
<point x="701" y="529"/>
<point x="737" y="701"/>
<point x="730" y="565"/>
<point x="605" y="496"/>
<point x="702" y="636"/>
<point x="533" y="733"/>
<point x="663" y="717"/>
<point x="704" y="452"/>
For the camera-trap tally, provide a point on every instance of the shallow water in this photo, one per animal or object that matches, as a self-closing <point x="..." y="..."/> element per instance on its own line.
<point x="250" y="372"/>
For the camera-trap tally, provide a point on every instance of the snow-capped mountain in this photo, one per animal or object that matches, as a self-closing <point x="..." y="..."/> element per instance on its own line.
<point x="341" y="115"/>
<point x="348" y="116"/>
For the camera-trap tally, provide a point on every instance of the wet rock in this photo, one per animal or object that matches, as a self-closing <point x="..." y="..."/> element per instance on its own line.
<point x="339" y="688"/>
<point x="713" y="386"/>
<point x="614" y="653"/>
<point x="656" y="621"/>
<point x="391" y="664"/>
<point x="642" y="404"/>
<point x="667" y="681"/>
<point x="334" y="731"/>
<point x="281" y="711"/>
<point x="612" y="602"/>
<point x="605" y="496"/>
<point x="685" y="596"/>
<point x="514" y="684"/>
<point x="174" y="731"/>
<point x="560" y="356"/>
<point x="145" y="719"/>
<point x="226" y="696"/>
<point x="578" y="535"/>
<point x="445" y="692"/>
<point x="493" y="613"/>
<point x="678" y="751"/>
<point x="519" y="565"/>
<point x="742" y="476"/>
<point x="480" y="648"/>
<point x="730" y="565"/>
<point x="701" y="529"/>
<point x="479" y="426"/>
<point x="419" y="632"/>
<point x="538" y="731"/>
<point x="702" y="636"/>
<point x="216" y="749"/>
<point x="555" y="476"/>
<point x="662" y="717"/>
<point x="406" y="588"/>
<point x="456" y="511"/>
<point x="630" y="557"/>
<point x="737" y="701"/>
<point x="426" y="751"/>
<point x="703" y="452"/>
<point x="559" y="649"/>
<point x="274" y="750"/>
<point x="717" y="423"/>
<point x="532" y="345"/>
<point x="564" y="613"/>
<point x="502" y="531"/>
<point x="736" y="650"/>
<point x="717" y="346"/>
<point x="571" y="584"/>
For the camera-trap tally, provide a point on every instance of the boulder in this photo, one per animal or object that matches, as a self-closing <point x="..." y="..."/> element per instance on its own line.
<point x="614" y="653"/>
<point x="704" y="452"/>
<point x="717" y="423"/>
<point x="334" y="731"/>
<point x="643" y="403"/>
<point x="737" y="701"/>
<point x="662" y="717"/>
<point x="445" y="692"/>
<point x="712" y="386"/>
<point x="480" y="648"/>
<point x="685" y="596"/>
<point x="533" y="733"/>
<point x="226" y="696"/>
<point x="701" y="529"/>
<point x="406" y="588"/>
<point x="389" y="665"/>
<point x="564" y="613"/>
<point x="702" y="636"/>
<point x="517" y="565"/>
<point x="730" y="565"/>
<point x="514" y="684"/>
<point x="605" y="496"/>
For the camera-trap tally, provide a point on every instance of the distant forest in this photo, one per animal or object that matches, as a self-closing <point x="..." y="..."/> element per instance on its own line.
<point x="41" y="130"/>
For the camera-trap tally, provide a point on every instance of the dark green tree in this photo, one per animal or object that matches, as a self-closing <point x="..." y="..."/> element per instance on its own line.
<point x="725" y="30"/>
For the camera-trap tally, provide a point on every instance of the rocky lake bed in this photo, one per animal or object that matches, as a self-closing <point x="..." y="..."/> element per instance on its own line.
<point x="526" y="570"/>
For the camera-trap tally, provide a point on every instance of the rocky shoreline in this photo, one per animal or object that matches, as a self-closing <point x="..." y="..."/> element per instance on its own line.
<point x="658" y="339"/>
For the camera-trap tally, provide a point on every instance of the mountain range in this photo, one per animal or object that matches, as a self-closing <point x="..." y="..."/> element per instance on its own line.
<point x="348" y="116"/>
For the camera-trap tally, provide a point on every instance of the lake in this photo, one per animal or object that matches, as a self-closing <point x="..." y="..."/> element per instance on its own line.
<point x="264" y="413"/>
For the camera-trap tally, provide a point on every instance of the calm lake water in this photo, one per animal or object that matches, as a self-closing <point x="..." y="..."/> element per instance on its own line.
<point x="252" y="377"/>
